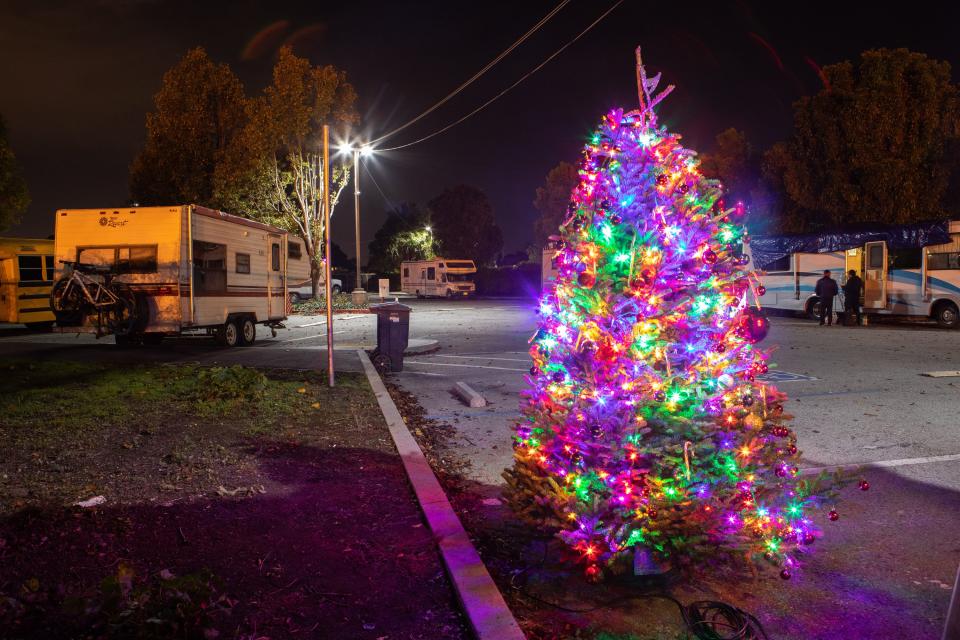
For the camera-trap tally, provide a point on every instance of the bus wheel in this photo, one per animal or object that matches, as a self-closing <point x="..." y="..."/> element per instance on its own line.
<point x="813" y="309"/>
<point x="229" y="334"/>
<point x="248" y="331"/>
<point x="946" y="315"/>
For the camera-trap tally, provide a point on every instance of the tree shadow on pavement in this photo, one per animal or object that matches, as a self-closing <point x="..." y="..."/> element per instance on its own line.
<point x="336" y="548"/>
<point x="883" y="571"/>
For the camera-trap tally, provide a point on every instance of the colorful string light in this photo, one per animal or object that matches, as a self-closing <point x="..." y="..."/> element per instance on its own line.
<point x="644" y="421"/>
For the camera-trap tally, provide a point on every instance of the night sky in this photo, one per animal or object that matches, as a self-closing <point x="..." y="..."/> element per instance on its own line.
<point x="77" y="78"/>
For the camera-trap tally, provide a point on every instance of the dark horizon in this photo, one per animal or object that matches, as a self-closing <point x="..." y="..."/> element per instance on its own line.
<point x="75" y="108"/>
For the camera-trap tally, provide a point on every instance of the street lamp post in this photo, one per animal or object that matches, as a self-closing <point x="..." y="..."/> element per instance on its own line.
<point x="359" y="293"/>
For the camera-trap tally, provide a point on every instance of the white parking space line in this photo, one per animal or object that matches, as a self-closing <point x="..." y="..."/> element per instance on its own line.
<point x="883" y="464"/>
<point x="465" y="366"/>
<point x="425" y="373"/>
<point x="440" y="355"/>
<point x="319" y="335"/>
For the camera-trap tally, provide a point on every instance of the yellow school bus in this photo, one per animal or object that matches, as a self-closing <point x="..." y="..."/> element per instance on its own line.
<point x="26" y="275"/>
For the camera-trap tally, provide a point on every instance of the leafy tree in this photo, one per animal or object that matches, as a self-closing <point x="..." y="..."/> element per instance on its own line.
<point x="875" y="145"/>
<point x="273" y="173"/>
<point x="403" y="236"/>
<point x="734" y="163"/>
<point x="199" y="113"/>
<point x="14" y="197"/>
<point x="552" y="201"/>
<point x="464" y="226"/>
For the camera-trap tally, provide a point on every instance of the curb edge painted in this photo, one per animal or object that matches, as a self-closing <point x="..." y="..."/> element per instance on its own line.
<point x="485" y="608"/>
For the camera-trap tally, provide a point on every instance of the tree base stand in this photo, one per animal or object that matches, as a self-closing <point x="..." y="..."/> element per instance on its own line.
<point x="359" y="297"/>
<point x="648" y="564"/>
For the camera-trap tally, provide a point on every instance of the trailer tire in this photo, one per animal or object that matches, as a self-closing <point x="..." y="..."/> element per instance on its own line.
<point x="248" y="331"/>
<point x="229" y="334"/>
<point x="813" y="308"/>
<point x="947" y="315"/>
<point x="336" y="289"/>
<point x="294" y="297"/>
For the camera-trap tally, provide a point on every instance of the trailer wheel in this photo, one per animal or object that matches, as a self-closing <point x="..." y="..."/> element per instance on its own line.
<point x="248" y="332"/>
<point x="946" y="315"/>
<point x="813" y="309"/>
<point x="229" y="334"/>
<point x="294" y="297"/>
<point x="336" y="289"/>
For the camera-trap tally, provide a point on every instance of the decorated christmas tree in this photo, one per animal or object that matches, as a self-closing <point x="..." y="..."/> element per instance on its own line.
<point x="645" y="424"/>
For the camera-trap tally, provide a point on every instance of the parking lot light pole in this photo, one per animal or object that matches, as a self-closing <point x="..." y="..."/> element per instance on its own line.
<point x="359" y="293"/>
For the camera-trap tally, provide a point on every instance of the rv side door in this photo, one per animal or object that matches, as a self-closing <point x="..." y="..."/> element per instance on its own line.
<point x="875" y="275"/>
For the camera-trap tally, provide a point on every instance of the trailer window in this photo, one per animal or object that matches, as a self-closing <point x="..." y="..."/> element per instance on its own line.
<point x="875" y="257"/>
<point x="121" y="258"/>
<point x="243" y="263"/>
<point x="48" y="261"/>
<point x="943" y="261"/>
<point x="431" y="273"/>
<point x="293" y="250"/>
<point x="31" y="268"/>
<point x="905" y="258"/>
<point x="406" y="272"/>
<point x="209" y="267"/>
<point x="780" y="264"/>
<point x="275" y="257"/>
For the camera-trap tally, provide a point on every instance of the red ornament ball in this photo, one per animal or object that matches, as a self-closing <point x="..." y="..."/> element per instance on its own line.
<point x="587" y="279"/>
<point x="833" y="515"/>
<point x="709" y="257"/>
<point x="593" y="573"/>
<point x="785" y="574"/>
<point x="754" y="325"/>
<point x="652" y="514"/>
<point x="864" y="485"/>
<point x="761" y="290"/>
<point x="534" y="371"/>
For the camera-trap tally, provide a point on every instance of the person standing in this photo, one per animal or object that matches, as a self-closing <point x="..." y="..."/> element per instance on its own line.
<point x="826" y="290"/>
<point x="851" y="296"/>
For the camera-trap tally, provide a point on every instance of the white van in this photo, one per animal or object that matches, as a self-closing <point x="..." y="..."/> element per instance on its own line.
<point x="192" y="269"/>
<point x="922" y="280"/>
<point x="439" y="277"/>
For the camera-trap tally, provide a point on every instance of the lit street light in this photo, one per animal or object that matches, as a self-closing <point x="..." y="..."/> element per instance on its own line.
<point x="365" y="151"/>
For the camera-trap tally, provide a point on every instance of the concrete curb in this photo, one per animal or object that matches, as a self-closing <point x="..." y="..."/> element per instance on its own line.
<point x="489" y="616"/>
<point x="466" y="393"/>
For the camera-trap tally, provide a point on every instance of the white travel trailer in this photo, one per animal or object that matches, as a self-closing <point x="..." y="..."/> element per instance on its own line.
<point x="438" y="277"/>
<point x="549" y="268"/>
<point x="912" y="270"/>
<point x="191" y="269"/>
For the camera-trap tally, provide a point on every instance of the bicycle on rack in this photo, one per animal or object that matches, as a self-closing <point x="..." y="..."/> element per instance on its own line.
<point x="88" y="292"/>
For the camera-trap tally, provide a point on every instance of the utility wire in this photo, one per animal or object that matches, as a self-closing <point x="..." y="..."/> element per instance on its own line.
<point x="502" y="93"/>
<point x="482" y="71"/>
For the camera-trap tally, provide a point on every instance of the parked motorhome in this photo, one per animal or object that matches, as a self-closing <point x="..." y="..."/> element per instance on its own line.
<point x="191" y="269"/>
<point x="26" y="274"/>
<point x="911" y="270"/>
<point x="548" y="265"/>
<point x="439" y="277"/>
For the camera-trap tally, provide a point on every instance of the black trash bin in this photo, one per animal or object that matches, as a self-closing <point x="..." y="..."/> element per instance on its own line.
<point x="393" y="331"/>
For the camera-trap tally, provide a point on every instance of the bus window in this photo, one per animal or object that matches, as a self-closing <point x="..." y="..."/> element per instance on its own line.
<point x="31" y="268"/>
<point x="875" y="257"/>
<point x="780" y="264"/>
<point x="431" y="273"/>
<point x="905" y="258"/>
<point x="943" y="261"/>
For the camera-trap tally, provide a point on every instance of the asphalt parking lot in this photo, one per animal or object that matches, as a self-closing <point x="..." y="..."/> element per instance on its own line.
<point x="859" y="397"/>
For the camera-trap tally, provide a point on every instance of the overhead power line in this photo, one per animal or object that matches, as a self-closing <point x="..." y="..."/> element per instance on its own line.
<point x="482" y="71"/>
<point x="504" y="92"/>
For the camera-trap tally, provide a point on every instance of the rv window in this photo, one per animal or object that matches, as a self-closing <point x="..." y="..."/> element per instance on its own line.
<point x="243" y="263"/>
<point x="137" y="259"/>
<point x="461" y="265"/>
<point x="905" y="258"/>
<point x="875" y="257"/>
<point x="209" y="267"/>
<point x="121" y="259"/>
<point x="31" y="268"/>
<point x="440" y="265"/>
<point x="293" y="250"/>
<point x="943" y="261"/>
<point x="48" y="261"/>
<point x="431" y="273"/>
<point x="781" y="264"/>
<point x="406" y="272"/>
<point x="275" y="257"/>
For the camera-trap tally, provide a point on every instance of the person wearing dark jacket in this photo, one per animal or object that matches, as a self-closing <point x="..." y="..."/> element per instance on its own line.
<point x="826" y="290"/>
<point x="851" y="296"/>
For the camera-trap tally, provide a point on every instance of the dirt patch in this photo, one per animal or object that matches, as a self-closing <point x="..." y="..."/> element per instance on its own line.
<point x="287" y="515"/>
